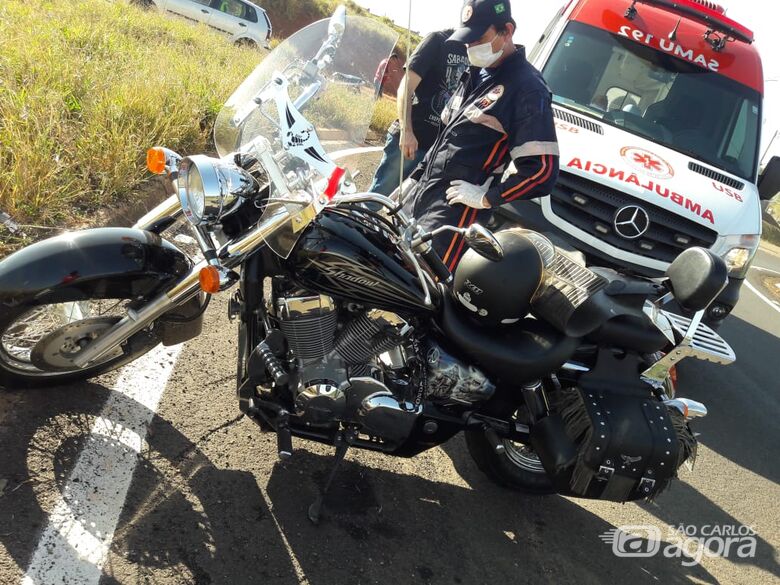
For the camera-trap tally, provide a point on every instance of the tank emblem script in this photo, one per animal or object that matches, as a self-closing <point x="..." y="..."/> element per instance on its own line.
<point x="340" y="274"/>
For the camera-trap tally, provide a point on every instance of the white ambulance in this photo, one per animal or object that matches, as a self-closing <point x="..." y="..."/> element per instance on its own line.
<point x="658" y="108"/>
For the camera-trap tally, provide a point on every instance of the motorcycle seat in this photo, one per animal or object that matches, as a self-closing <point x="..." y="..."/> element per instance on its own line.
<point x="516" y="354"/>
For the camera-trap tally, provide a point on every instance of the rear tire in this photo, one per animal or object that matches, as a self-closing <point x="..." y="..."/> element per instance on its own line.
<point x="23" y="329"/>
<point x="517" y="468"/>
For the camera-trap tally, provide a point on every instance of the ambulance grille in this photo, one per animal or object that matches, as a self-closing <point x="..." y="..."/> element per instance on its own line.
<point x="716" y="176"/>
<point x="592" y="207"/>
<point x="577" y="121"/>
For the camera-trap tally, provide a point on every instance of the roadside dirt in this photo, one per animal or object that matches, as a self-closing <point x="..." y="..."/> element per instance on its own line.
<point x="771" y="285"/>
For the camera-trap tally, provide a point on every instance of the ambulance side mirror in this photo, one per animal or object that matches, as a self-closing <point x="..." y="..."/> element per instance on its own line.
<point x="769" y="180"/>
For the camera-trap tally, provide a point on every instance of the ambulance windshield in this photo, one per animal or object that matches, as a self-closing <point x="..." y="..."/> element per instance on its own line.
<point x="663" y="98"/>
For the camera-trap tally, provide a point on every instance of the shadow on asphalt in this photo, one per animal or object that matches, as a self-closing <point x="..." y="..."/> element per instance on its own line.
<point x="742" y="399"/>
<point x="202" y="523"/>
<point x="187" y="520"/>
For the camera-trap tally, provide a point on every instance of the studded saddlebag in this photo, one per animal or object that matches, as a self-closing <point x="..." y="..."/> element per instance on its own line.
<point x="620" y="442"/>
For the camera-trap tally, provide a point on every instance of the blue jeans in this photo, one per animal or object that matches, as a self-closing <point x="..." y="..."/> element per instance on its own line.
<point x="387" y="175"/>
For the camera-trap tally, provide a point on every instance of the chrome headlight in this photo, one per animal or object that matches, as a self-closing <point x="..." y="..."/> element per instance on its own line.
<point x="738" y="252"/>
<point x="210" y="188"/>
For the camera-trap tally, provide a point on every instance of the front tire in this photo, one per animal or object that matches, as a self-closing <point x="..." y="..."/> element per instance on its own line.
<point x="37" y="341"/>
<point x="517" y="468"/>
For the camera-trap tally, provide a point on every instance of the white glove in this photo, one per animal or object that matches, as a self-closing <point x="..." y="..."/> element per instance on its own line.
<point x="402" y="192"/>
<point x="469" y="194"/>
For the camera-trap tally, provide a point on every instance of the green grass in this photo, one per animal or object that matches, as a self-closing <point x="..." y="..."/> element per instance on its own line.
<point x="86" y="86"/>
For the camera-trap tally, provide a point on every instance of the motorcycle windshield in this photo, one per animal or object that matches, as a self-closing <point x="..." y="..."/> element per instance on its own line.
<point x="341" y="111"/>
<point x="328" y="73"/>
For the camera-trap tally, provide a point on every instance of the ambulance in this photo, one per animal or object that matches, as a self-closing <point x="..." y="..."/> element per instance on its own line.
<point x="658" y="109"/>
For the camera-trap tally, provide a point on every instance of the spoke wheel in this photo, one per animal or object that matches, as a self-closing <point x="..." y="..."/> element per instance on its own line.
<point x="523" y="456"/>
<point x="38" y="344"/>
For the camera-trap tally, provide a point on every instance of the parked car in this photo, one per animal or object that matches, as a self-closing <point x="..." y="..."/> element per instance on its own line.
<point x="245" y="22"/>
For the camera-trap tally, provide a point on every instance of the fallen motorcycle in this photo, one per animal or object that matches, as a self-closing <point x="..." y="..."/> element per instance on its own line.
<point x="352" y="332"/>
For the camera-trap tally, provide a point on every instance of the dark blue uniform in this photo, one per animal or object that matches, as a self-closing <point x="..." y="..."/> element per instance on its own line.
<point x="498" y="124"/>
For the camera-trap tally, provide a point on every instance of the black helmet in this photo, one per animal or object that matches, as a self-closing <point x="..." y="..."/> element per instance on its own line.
<point x="500" y="292"/>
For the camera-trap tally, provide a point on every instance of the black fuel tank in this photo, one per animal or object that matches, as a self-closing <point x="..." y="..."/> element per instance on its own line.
<point x="341" y="257"/>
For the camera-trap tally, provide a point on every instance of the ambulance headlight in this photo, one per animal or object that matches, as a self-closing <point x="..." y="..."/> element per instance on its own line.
<point x="738" y="252"/>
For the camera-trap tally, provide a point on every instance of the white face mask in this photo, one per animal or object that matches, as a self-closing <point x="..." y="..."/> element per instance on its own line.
<point x="483" y="55"/>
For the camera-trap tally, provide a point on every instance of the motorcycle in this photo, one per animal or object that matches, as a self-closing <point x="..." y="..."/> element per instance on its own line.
<point x="349" y="331"/>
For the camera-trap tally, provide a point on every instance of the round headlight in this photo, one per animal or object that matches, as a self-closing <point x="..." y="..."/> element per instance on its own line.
<point x="209" y="188"/>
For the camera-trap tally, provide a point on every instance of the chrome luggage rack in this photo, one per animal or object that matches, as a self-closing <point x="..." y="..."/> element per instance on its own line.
<point x="697" y="340"/>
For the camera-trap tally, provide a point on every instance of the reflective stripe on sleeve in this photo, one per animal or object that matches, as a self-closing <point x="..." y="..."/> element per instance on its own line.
<point x="535" y="148"/>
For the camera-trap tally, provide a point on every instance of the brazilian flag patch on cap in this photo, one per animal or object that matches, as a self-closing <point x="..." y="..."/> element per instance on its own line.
<point x="500" y="8"/>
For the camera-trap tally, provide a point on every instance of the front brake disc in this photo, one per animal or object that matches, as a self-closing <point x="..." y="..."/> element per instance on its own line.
<point x="56" y="351"/>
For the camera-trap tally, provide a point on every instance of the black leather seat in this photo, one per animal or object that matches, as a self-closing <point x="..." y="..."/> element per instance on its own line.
<point x="631" y="333"/>
<point x="516" y="354"/>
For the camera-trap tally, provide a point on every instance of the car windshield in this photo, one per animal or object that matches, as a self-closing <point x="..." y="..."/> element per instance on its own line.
<point x="667" y="100"/>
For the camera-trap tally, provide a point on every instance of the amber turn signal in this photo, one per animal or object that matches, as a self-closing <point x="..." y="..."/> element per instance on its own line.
<point x="209" y="280"/>
<point x="155" y="160"/>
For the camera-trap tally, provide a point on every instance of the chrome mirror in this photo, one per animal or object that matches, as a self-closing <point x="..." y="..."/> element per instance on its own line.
<point x="484" y="243"/>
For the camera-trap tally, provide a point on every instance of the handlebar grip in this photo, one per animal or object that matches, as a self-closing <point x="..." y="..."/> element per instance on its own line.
<point x="435" y="263"/>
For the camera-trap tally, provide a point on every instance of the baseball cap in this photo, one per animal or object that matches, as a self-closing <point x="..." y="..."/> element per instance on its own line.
<point x="479" y="15"/>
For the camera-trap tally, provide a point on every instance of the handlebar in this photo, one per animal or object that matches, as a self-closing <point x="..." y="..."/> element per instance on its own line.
<point x="434" y="261"/>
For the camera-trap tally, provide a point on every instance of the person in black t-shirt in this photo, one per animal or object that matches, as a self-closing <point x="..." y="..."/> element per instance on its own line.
<point x="432" y="76"/>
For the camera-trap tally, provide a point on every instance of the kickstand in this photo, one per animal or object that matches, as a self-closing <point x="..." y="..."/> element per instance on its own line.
<point x="342" y="445"/>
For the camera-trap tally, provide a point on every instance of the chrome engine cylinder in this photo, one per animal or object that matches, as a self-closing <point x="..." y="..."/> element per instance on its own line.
<point x="369" y="335"/>
<point x="309" y="324"/>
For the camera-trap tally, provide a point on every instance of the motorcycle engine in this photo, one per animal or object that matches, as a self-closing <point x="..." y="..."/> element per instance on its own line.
<point x="330" y="354"/>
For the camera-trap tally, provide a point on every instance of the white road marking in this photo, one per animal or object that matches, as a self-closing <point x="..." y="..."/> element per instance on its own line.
<point x="339" y="154"/>
<point x="774" y="304"/>
<point x="74" y="545"/>
<point x="765" y="269"/>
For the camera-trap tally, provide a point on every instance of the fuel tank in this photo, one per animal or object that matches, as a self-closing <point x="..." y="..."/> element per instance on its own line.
<point x="340" y="256"/>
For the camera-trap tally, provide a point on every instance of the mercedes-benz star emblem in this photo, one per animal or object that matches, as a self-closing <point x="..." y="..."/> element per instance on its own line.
<point x="631" y="222"/>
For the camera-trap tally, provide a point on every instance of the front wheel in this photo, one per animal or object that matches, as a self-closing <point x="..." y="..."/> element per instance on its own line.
<point x="38" y="343"/>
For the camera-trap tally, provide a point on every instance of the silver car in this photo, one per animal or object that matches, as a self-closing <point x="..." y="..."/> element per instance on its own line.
<point x="245" y="22"/>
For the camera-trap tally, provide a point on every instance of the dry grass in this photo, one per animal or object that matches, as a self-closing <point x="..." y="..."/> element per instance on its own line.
<point x="385" y="114"/>
<point x="86" y="86"/>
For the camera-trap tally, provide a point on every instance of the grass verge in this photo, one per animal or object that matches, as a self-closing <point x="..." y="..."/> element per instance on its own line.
<point x="86" y="86"/>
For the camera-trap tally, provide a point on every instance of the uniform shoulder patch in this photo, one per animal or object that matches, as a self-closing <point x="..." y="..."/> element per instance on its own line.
<point x="468" y="12"/>
<point x="487" y="102"/>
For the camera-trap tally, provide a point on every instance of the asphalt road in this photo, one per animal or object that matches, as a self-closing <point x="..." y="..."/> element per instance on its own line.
<point x="209" y="503"/>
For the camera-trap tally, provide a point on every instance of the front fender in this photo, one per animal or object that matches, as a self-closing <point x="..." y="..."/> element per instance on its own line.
<point x="96" y="263"/>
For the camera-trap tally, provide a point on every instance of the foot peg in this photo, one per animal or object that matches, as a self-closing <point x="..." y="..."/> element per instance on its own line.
<point x="272" y="364"/>
<point x="495" y="441"/>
